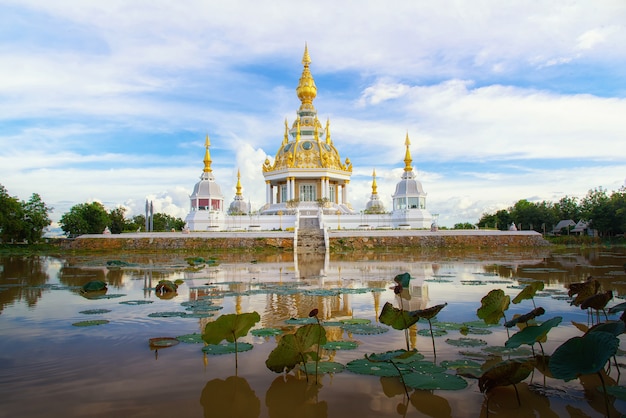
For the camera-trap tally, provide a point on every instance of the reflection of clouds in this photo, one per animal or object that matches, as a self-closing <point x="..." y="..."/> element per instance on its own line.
<point x="230" y="398"/>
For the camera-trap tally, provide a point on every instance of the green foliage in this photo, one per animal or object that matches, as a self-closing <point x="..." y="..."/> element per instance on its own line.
<point x="533" y="333"/>
<point x="117" y="222"/>
<point x="403" y="279"/>
<point x="493" y="306"/>
<point x="508" y="372"/>
<point x="397" y="318"/>
<point x="85" y="218"/>
<point x="529" y="291"/>
<point x="293" y="349"/>
<point x="22" y="221"/>
<point x="229" y="327"/>
<point x="464" y="225"/>
<point x="583" y="355"/>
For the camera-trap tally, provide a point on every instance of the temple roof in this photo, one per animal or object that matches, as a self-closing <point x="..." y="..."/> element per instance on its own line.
<point x="307" y="144"/>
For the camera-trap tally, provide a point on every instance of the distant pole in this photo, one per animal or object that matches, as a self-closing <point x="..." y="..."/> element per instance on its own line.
<point x="151" y="217"/>
<point x="147" y="226"/>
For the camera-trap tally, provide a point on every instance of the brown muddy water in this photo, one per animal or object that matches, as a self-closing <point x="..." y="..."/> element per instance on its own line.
<point x="50" y="367"/>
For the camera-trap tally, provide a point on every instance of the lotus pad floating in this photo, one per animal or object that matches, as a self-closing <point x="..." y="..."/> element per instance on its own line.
<point x="301" y="321"/>
<point x="95" y="311"/>
<point x="340" y="345"/>
<point x="466" y="342"/>
<point x="194" y="338"/>
<point x="323" y="367"/>
<point x="475" y="331"/>
<point x="112" y="296"/>
<point x="428" y="381"/>
<point x="364" y="329"/>
<point x="168" y="314"/>
<point x="162" y="342"/>
<point x="266" y="332"/>
<point x="458" y="364"/>
<point x="364" y="366"/>
<point x="355" y="321"/>
<point x="436" y="332"/>
<point x="226" y="348"/>
<point x="90" y="323"/>
<point x="504" y="351"/>
<point x="94" y="286"/>
<point x="136" y="302"/>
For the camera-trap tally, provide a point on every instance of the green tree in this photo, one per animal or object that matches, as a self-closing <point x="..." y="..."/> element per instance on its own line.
<point x="118" y="223"/>
<point x="567" y="208"/>
<point x="36" y="218"/>
<point x="501" y="220"/>
<point x="596" y="208"/>
<point x="11" y="215"/>
<point x="464" y="225"/>
<point x="164" y="222"/>
<point x="618" y="207"/>
<point x="85" y="218"/>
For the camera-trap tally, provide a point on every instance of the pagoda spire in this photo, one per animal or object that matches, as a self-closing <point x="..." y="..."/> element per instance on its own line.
<point x="238" y="187"/>
<point x="306" y="90"/>
<point x="286" y="137"/>
<point x="374" y="186"/>
<point x="207" y="155"/>
<point x="328" y="141"/>
<point x="407" y="155"/>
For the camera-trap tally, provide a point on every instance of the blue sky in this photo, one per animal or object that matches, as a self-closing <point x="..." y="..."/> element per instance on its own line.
<point x="111" y="101"/>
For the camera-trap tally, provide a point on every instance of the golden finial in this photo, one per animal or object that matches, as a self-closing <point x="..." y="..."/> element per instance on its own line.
<point x="207" y="155"/>
<point x="306" y="89"/>
<point x="238" y="183"/>
<point x="286" y="137"/>
<point x="407" y="156"/>
<point x="298" y="130"/>
<point x="374" y="186"/>
<point x="316" y="130"/>
<point x="328" y="131"/>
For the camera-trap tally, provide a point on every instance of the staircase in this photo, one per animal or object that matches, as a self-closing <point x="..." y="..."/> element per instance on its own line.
<point x="310" y="236"/>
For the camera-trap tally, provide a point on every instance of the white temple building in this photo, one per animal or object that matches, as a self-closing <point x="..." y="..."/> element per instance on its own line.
<point x="307" y="178"/>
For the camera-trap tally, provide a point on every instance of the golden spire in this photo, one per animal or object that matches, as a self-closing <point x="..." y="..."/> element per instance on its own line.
<point x="286" y="137"/>
<point x="298" y="130"/>
<point x="238" y="183"/>
<point x="207" y="155"/>
<point x="328" y="131"/>
<point x="316" y="130"/>
<point x="374" y="186"/>
<point x="407" y="156"/>
<point x="306" y="89"/>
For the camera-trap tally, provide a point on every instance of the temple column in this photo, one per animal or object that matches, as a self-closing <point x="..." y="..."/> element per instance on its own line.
<point x="268" y="192"/>
<point x="345" y="192"/>
<point x="293" y="187"/>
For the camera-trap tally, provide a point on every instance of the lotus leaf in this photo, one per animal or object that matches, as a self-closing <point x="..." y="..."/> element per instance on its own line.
<point x="505" y="351"/>
<point x="403" y="279"/>
<point x="95" y="311"/>
<point x="90" y="323"/>
<point x="493" y="306"/>
<point x="229" y="327"/>
<point x="162" y="342"/>
<point x="354" y="321"/>
<point x="456" y="364"/>
<point x="466" y="342"/>
<point x="166" y="286"/>
<point x="618" y="391"/>
<point x="475" y="331"/>
<point x="397" y="318"/>
<point x="340" y="345"/>
<point x="532" y="334"/>
<point x="436" y="332"/>
<point x="364" y="366"/>
<point x="398" y="356"/>
<point x="508" y="372"/>
<point x="525" y="318"/>
<point x="226" y="348"/>
<point x="364" y="329"/>
<point x="612" y="327"/>
<point x="296" y="348"/>
<point x="529" y="291"/>
<point x="323" y="367"/>
<point x="427" y="381"/>
<point x="266" y="332"/>
<point x="112" y="296"/>
<point x="136" y="302"/>
<point x="300" y="321"/>
<point x="618" y="308"/>
<point x="194" y="338"/>
<point x="583" y="355"/>
<point x="167" y="314"/>
<point x="94" y="286"/>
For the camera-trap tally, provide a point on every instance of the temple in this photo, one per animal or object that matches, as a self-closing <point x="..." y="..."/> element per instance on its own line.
<point x="307" y="178"/>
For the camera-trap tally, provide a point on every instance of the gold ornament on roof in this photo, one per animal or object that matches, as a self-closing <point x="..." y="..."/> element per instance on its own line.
<point x="306" y="90"/>
<point x="207" y="155"/>
<point x="238" y="187"/>
<point x="407" y="155"/>
<point x="374" y="186"/>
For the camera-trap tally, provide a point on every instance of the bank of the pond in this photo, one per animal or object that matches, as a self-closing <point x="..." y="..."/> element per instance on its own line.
<point x="338" y="240"/>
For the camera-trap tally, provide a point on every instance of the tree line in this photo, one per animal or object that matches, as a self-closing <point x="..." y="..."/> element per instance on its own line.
<point x="604" y="212"/>
<point x="27" y="221"/>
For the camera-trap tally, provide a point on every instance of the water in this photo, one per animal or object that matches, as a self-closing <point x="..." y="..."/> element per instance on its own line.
<point x="50" y="367"/>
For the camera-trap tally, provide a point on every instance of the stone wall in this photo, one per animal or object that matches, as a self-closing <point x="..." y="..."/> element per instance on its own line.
<point x="345" y="243"/>
<point x="435" y="241"/>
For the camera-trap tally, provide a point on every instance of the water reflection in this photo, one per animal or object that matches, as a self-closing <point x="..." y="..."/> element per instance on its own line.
<point x="39" y="297"/>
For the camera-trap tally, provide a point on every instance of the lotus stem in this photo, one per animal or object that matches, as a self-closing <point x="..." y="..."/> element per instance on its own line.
<point x="519" y="402"/>
<point x="432" y="337"/>
<point x="606" y="395"/>
<point x="401" y="377"/>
